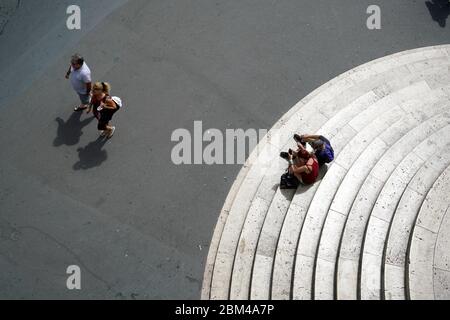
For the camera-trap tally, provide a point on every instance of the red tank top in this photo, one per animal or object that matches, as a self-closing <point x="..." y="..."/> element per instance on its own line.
<point x="96" y="103"/>
<point x="310" y="178"/>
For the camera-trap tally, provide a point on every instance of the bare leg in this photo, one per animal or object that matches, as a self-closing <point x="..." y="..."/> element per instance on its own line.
<point x="110" y="130"/>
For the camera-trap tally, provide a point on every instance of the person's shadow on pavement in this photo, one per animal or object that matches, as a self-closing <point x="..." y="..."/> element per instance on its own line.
<point x="439" y="10"/>
<point x="70" y="131"/>
<point x="91" y="155"/>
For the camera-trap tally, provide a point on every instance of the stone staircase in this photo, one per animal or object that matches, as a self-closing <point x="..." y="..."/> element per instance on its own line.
<point x="375" y="225"/>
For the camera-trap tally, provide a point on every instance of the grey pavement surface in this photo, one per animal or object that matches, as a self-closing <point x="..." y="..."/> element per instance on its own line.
<point x="137" y="225"/>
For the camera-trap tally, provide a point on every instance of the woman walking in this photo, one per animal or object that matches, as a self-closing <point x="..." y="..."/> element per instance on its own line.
<point x="104" y="106"/>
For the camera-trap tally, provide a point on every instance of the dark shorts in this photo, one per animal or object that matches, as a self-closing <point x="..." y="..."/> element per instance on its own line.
<point x="105" y="117"/>
<point x="102" y="125"/>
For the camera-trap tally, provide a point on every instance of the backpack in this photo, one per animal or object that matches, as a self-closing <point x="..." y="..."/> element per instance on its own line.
<point x="118" y="102"/>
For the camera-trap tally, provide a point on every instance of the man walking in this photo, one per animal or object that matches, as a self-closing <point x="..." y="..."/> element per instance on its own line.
<point x="80" y="78"/>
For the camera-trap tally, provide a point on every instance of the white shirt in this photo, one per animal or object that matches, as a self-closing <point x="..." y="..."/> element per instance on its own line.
<point x="79" y="78"/>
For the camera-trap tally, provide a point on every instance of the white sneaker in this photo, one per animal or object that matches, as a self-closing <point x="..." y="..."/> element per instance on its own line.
<point x="111" y="133"/>
<point x="102" y="133"/>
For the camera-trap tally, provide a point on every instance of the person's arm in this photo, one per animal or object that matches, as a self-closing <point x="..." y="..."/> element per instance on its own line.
<point x="89" y="108"/>
<point x="310" y="137"/>
<point x="299" y="170"/>
<point x="109" y="104"/>
<point x="301" y="150"/>
<point x="88" y="87"/>
<point x="69" y="72"/>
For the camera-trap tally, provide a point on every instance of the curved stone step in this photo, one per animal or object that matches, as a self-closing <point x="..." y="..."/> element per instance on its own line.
<point x="261" y="229"/>
<point x="428" y="270"/>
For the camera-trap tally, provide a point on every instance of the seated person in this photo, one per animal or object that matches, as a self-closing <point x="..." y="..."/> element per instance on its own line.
<point x="322" y="147"/>
<point x="303" y="165"/>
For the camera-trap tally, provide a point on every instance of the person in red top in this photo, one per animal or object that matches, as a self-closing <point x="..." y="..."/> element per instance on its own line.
<point x="303" y="165"/>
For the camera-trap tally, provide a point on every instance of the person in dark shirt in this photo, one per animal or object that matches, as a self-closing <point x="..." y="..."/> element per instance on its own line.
<point x="322" y="147"/>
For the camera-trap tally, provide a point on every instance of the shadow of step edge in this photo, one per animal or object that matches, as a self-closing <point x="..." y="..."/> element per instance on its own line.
<point x="347" y="191"/>
<point x="405" y="215"/>
<point x="383" y="210"/>
<point x="359" y="74"/>
<point x="375" y="122"/>
<point x="422" y="252"/>
<point x="352" y="237"/>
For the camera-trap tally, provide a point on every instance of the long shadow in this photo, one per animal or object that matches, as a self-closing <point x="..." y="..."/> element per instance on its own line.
<point x="92" y="155"/>
<point x="439" y="11"/>
<point x="70" y="131"/>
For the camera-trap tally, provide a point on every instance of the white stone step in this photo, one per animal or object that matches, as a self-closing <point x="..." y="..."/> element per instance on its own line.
<point x="423" y="258"/>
